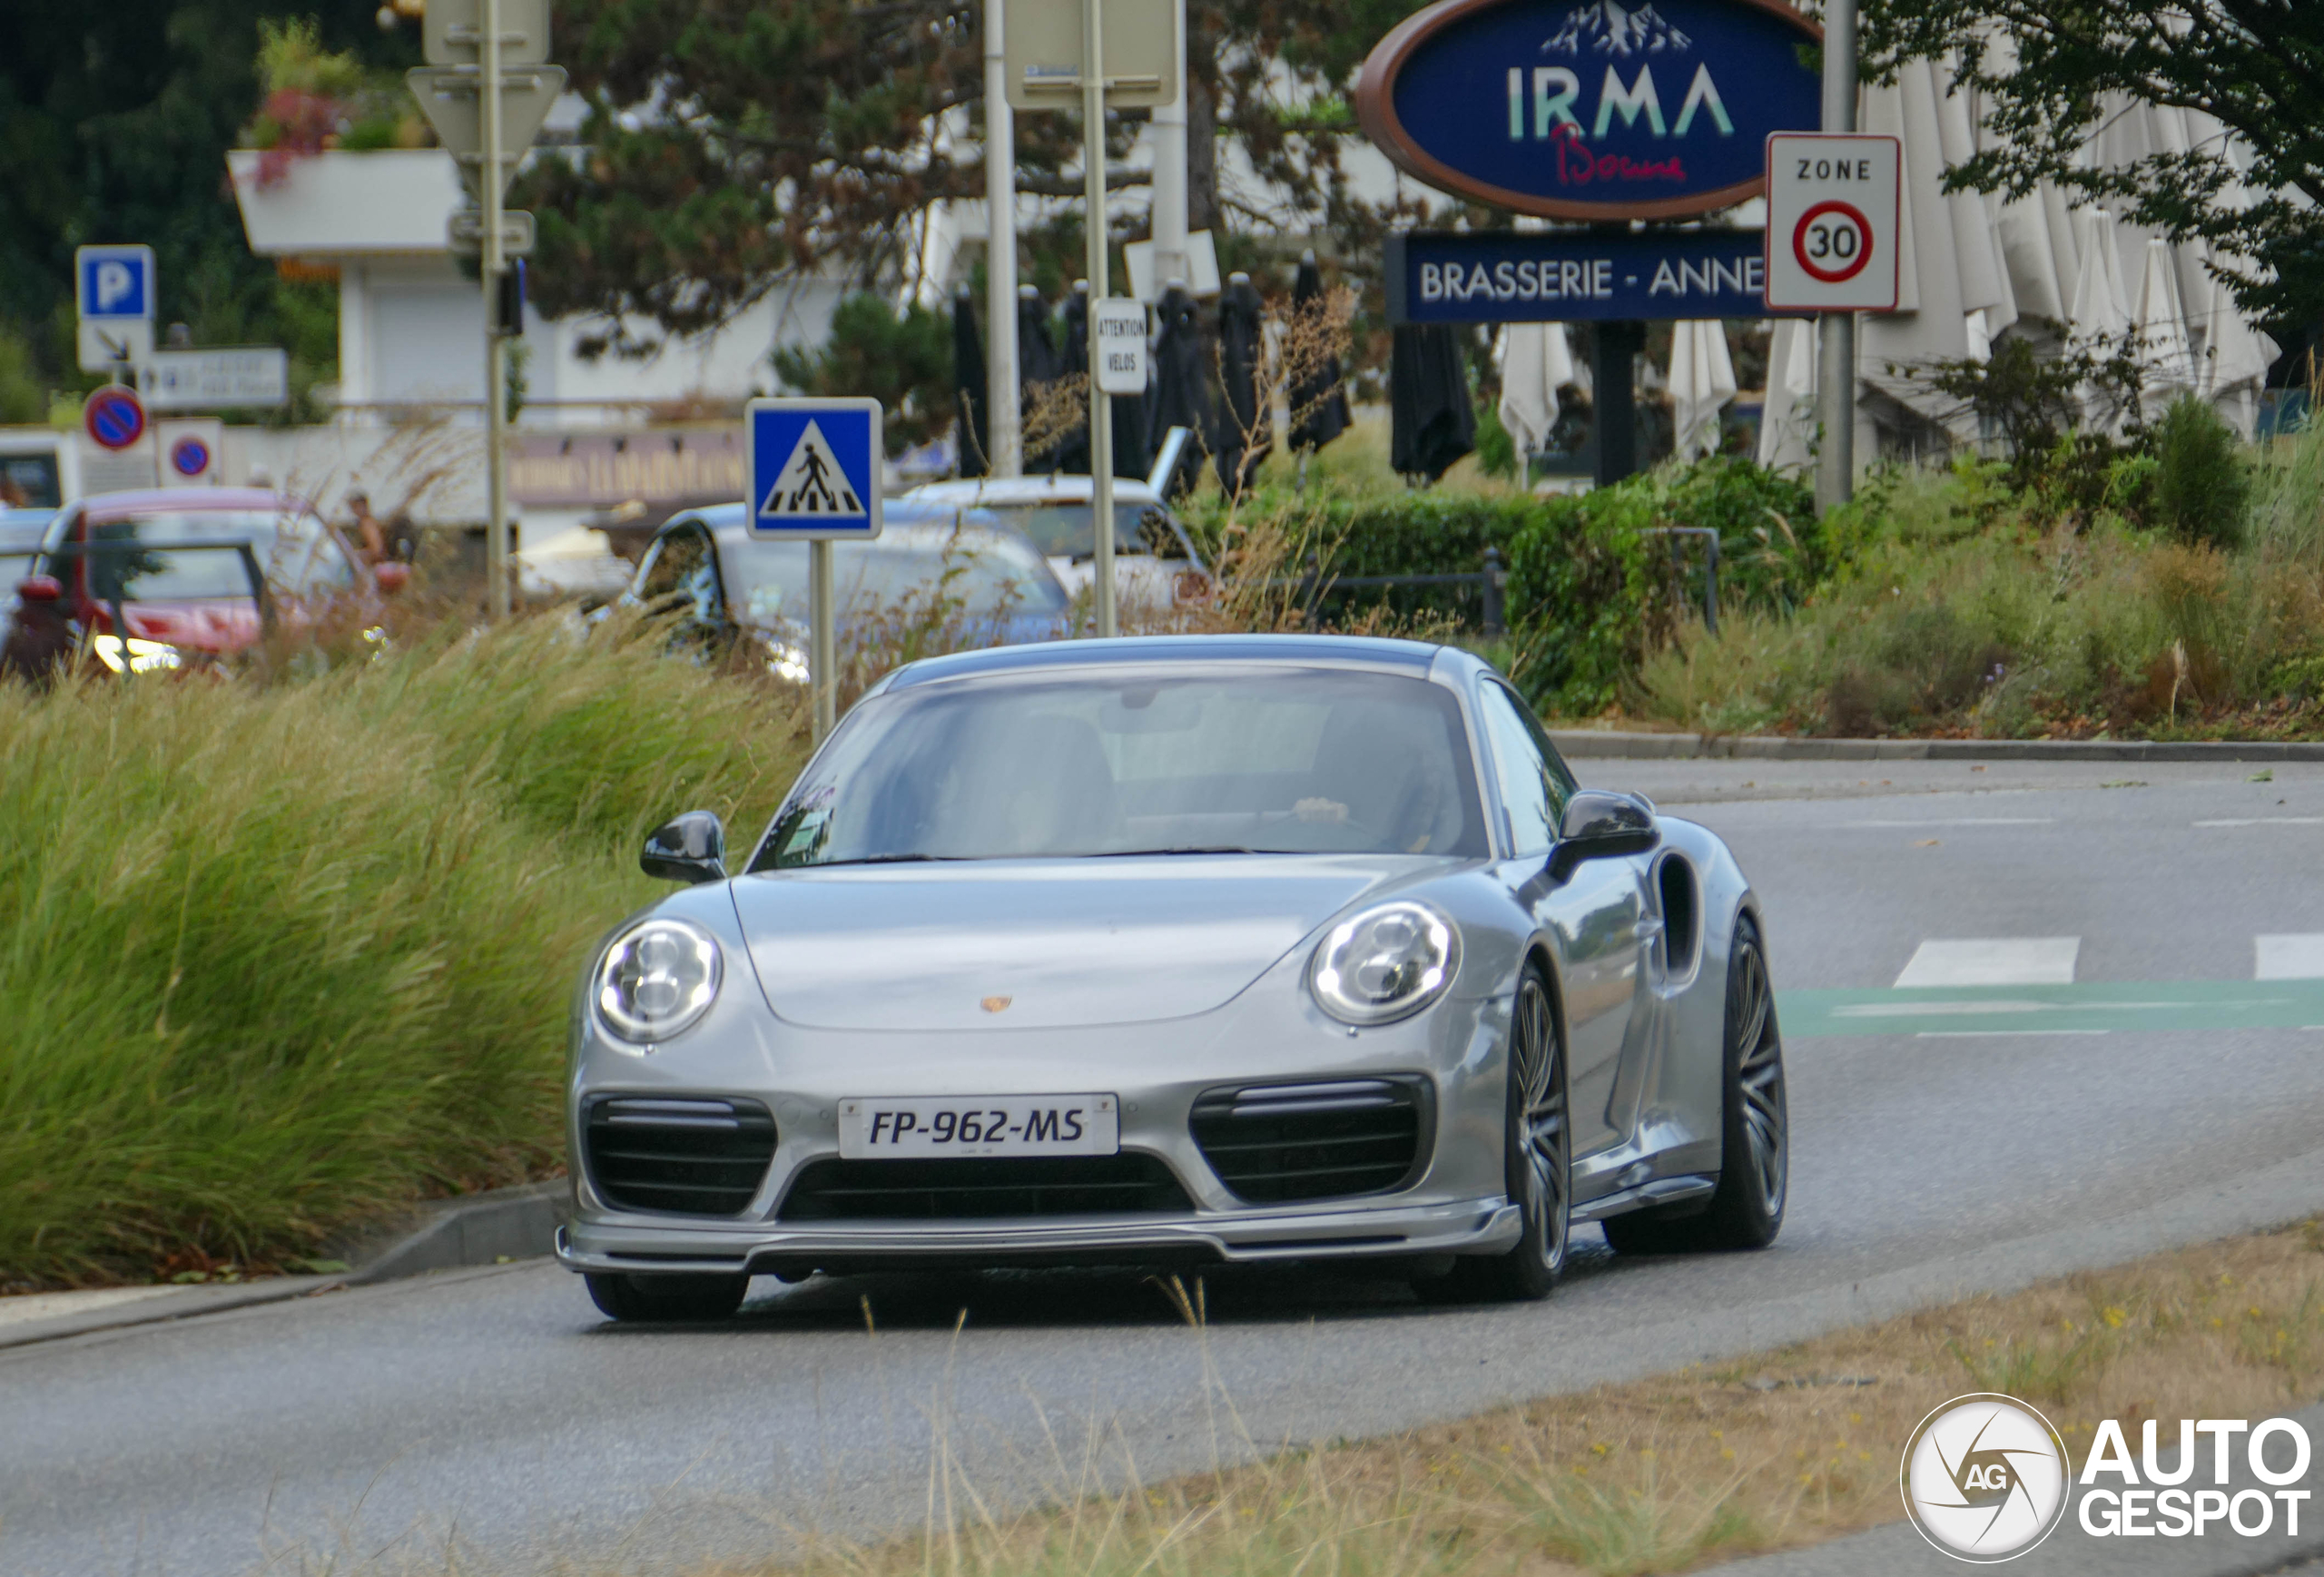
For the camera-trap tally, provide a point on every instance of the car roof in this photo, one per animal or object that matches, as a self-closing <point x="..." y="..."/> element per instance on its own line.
<point x="189" y="500"/>
<point x="1415" y="657"/>
<point x="1053" y="488"/>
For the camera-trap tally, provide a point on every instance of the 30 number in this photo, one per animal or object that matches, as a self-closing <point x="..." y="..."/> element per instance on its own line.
<point x="1829" y="240"/>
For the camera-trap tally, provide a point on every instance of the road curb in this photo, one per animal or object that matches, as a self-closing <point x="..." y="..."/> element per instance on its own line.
<point x="505" y="1224"/>
<point x="1582" y="743"/>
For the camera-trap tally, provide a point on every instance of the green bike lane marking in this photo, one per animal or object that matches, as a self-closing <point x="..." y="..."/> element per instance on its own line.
<point x="2084" y="1008"/>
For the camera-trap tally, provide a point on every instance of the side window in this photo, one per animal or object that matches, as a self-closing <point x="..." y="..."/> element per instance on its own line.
<point x="1528" y="792"/>
<point x="1562" y="779"/>
<point x="682" y="564"/>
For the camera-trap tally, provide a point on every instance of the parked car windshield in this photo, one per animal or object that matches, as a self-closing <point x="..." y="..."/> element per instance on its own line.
<point x="1126" y="760"/>
<point x="20" y="535"/>
<point x="1062" y="530"/>
<point x="294" y="552"/>
<point x="988" y="573"/>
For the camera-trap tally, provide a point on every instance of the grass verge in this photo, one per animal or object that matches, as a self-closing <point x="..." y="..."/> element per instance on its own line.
<point x="278" y="957"/>
<point x="1665" y="1474"/>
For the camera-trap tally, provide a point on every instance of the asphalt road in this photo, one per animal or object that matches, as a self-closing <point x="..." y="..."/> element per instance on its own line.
<point x="494" y="1410"/>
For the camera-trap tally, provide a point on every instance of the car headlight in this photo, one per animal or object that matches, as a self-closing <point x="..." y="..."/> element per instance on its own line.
<point x="656" y="979"/>
<point x="1386" y="964"/>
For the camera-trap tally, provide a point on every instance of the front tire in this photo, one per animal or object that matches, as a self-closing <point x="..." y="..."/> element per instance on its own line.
<point x="1746" y="1211"/>
<point x="1537" y="1150"/>
<point x="667" y="1298"/>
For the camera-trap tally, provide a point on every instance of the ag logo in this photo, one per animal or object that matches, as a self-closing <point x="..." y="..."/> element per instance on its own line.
<point x="1984" y="1478"/>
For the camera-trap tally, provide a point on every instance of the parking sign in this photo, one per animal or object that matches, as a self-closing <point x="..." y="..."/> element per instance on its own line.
<point x="115" y="283"/>
<point x="1833" y="230"/>
<point x="814" y="467"/>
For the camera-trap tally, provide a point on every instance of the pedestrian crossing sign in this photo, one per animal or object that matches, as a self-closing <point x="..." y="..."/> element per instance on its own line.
<point x="814" y="467"/>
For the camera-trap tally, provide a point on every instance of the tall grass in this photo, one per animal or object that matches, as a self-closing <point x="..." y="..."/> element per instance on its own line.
<point x="1960" y="607"/>
<point x="276" y="958"/>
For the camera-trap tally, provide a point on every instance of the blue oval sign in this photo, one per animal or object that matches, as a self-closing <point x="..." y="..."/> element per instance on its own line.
<point x="1591" y="109"/>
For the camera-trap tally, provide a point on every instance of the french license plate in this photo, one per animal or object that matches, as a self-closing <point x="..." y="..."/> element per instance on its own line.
<point x="965" y="1125"/>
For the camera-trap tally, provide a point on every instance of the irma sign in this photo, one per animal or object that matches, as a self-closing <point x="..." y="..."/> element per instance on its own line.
<point x="1591" y="109"/>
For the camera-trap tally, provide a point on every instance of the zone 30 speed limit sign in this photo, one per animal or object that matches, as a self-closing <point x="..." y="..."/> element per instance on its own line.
<point x="1833" y="221"/>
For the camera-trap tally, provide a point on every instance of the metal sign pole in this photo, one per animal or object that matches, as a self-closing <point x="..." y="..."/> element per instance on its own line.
<point x="823" y="661"/>
<point x="496" y="395"/>
<point x="1101" y="404"/>
<point x="1835" y="373"/>
<point x="1004" y="426"/>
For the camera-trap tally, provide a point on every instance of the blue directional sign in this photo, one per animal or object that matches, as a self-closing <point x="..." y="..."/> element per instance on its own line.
<point x="1575" y="276"/>
<point x="814" y="467"/>
<point x="115" y="283"/>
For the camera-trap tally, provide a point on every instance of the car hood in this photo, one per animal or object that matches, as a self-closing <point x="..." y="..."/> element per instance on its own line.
<point x="1038" y="944"/>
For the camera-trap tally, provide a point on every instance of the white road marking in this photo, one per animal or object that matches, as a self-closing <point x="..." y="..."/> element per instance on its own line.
<point x="2288" y="958"/>
<point x="2263" y="822"/>
<point x="1988" y="1034"/>
<point x="2004" y="961"/>
<point x="1964" y="822"/>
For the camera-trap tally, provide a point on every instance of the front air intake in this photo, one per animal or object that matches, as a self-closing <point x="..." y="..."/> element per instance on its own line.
<point x="983" y="1187"/>
<point x="688" y="1157"/>
<point x="1273" y="1143"/>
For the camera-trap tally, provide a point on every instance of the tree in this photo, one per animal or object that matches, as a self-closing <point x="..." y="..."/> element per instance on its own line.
<point x="732" y="143"/>
<point x="114" y="123"/>
<point x="2046" y="75"/>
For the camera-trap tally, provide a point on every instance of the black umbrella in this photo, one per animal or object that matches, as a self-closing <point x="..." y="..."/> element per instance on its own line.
<point x="971" y="427"/>
<point x="1241" y="439"/>
<point x="1318" y="398"/>
<point x="1073" y="361"/>
<point x="1036" y="362"/>
<point x="1178" y="395"/>
<point x="1433" y="423"/>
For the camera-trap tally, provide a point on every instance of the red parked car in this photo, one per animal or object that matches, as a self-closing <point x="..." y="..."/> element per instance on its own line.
<point x="152" y="579"/>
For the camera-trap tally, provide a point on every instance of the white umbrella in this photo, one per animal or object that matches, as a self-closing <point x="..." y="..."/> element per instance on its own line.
<point x="2161" y="322"/>
<point x="1787" y="422"/>
<point x="1702" y="379"/>
<point x="1536" y="362"/>
<point x="2099" y="313"/>
<point x="1930" y="323"/>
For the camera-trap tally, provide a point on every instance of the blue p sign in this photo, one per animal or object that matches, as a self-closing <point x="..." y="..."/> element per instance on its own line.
<point x="116" y="282"/>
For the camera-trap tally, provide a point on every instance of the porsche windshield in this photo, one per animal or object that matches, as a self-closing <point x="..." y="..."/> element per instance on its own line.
<point x="1138" y="761"/>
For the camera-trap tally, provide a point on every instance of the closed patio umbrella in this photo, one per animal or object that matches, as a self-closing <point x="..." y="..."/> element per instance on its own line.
<point x="1242" y="437"/>
<point x="971" y="423"/>
<point x="1432" y="423"/>
<point x="1702" y="380"/>
<point x="1536" y="363"/>
<point x="1317" y="398"/>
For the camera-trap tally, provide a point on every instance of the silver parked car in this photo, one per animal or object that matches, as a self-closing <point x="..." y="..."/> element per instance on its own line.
<point x="1176" y="950"/>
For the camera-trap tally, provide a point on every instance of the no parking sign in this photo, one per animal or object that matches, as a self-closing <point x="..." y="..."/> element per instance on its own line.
<point x="1833" y="229"/>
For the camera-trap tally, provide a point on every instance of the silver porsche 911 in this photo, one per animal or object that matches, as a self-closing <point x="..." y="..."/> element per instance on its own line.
<point x="1176" y="952"/>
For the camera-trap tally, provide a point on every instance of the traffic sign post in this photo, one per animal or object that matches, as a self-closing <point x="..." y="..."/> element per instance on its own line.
<point x="114" y="288"/>
<point x="114" y="417"/>
<point x="1125" y="55"/>
<point x="1834" y="226"/>
<point x="487" y="91"/>
<point x="814" y="469"/>
<point x="1121" y="343"/>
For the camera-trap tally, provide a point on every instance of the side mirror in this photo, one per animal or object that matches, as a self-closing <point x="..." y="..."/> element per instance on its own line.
<point x="1600" y="825"/>
<point x="692" y="847"/>
<point x="391" y="577"/>
<point x="40" y="588"/>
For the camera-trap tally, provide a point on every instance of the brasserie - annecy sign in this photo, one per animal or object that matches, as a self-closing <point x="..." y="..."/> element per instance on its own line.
<point x="1591" y="109"/>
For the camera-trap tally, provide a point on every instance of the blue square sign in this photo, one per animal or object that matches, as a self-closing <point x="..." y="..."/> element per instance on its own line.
<point x="814" y="467"/>
<point x="114" y="282"/>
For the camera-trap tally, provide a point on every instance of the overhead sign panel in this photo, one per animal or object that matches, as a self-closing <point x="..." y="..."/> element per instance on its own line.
<point x="814" y="467"/>
<point x="1041" y="41"/>
<point x="1834" y="222"/>
<point x="1575" y="276"/>
<point x="1591" y="109"/>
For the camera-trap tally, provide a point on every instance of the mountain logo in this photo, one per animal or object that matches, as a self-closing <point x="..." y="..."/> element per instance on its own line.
<point x="1609" y="27"/>
<point x="811" y="485"/>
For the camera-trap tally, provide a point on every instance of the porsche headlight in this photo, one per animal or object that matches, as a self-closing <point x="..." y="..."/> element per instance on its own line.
<point x="1386" y="963"/>
<point x="656" y="979"/>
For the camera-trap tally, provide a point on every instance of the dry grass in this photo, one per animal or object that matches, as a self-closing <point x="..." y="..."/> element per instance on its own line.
<point x="1665" y="1474"/>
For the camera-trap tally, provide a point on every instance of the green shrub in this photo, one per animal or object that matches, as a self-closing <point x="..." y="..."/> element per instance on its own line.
<point x="275" y="960"/>
<point x="2200" y="488"/>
